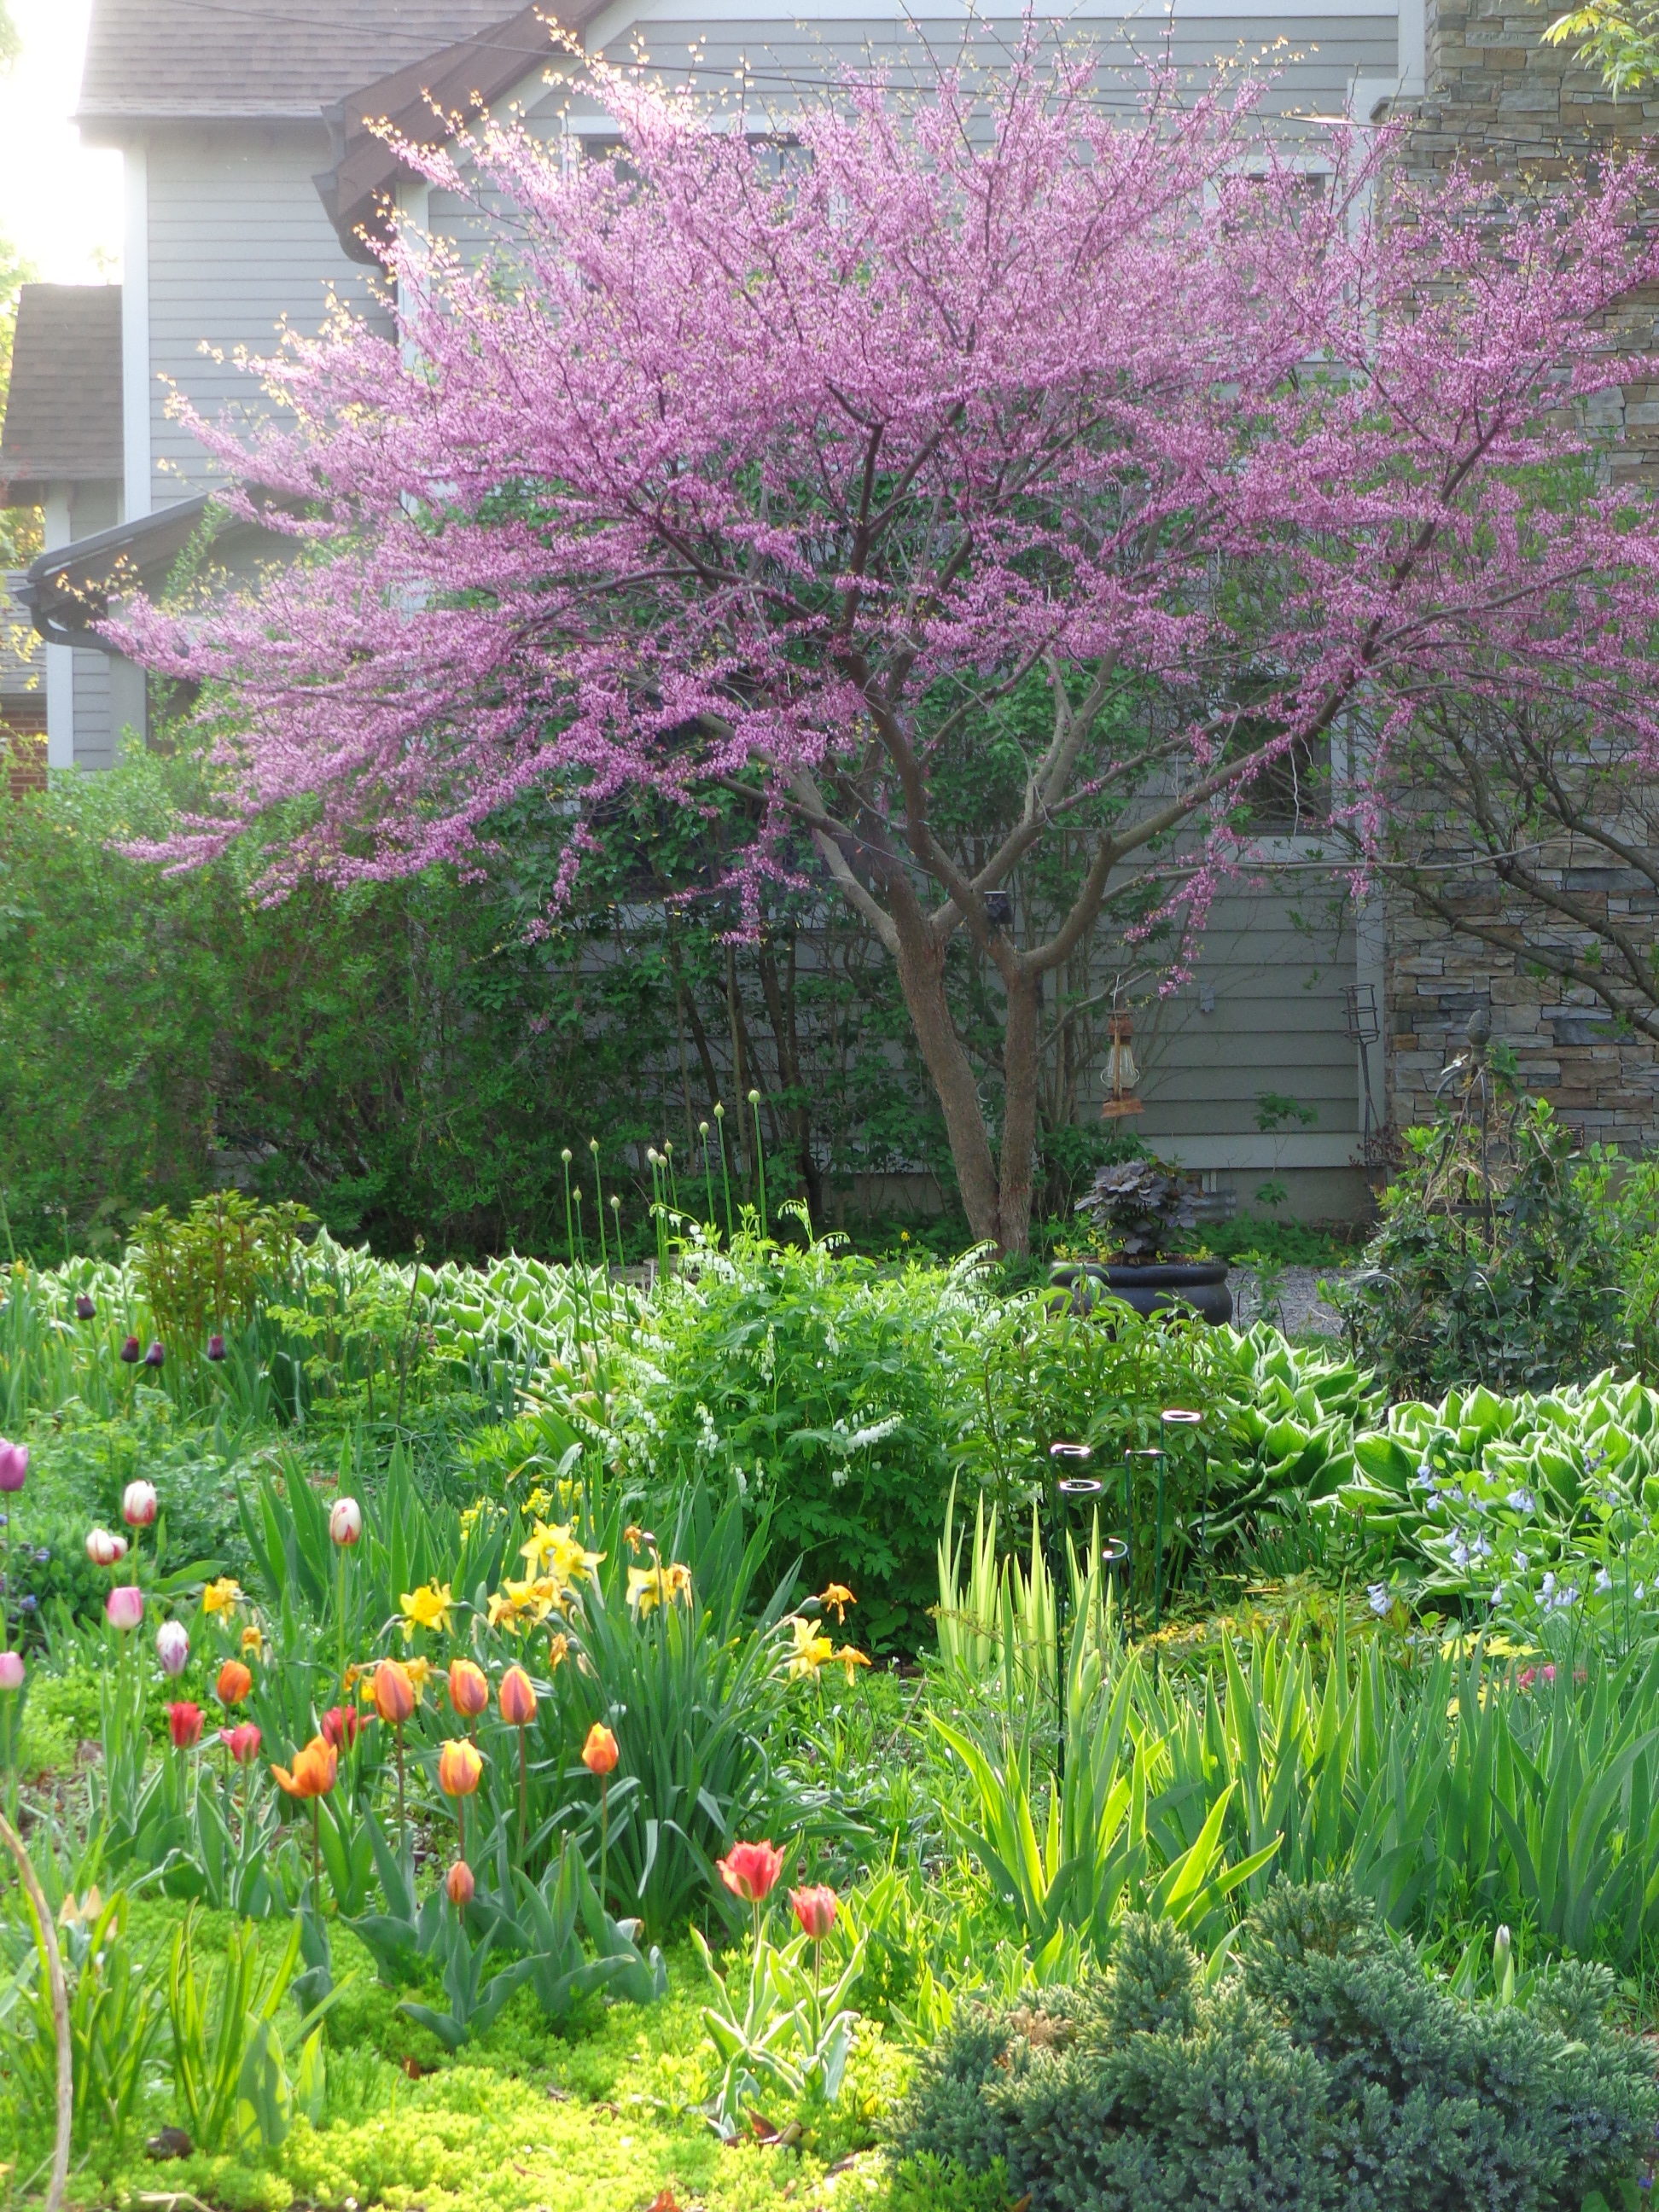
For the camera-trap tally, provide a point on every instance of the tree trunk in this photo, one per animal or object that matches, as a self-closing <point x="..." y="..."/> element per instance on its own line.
<point x="921" y="979"/>
<point x="1019" y="1112"/>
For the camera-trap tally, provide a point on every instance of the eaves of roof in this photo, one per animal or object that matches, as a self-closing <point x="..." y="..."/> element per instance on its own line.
<point x="428" y="103"/>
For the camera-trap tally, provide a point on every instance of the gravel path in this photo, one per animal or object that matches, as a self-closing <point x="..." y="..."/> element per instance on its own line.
<point x="1303" y="1311"/>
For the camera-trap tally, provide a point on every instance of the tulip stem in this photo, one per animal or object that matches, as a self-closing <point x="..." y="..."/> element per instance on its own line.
<point x="340" y="1603"/>
<point x="403" y="1825"/>
<point x="604" y="1835"/>
<point x="523" y="1794"/>
<point x="317" y="1854"/>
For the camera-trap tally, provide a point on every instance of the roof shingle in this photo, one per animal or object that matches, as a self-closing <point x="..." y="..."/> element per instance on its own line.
<point x="63" y="411"/>
<point x="157" y="59"/>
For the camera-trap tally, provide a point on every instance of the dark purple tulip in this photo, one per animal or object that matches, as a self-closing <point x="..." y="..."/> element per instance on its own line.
<point x="215" y="1348"/>
<point x="155" y="1356"/>
<point x="84" y="1308"/>
<point x="132" y="1352"/>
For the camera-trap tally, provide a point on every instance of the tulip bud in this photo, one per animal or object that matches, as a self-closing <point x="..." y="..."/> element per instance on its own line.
<point x="340" y="1725"/>
<point x="393" y="1692"/>
<point x="815" y="1907"/>
<point x="600" y="1753"/>
<point x="460" y="1885"/>
<point x="14" y="1464"/>
<point x="84" y="1308"/>
<point x="518" y="1698"/>
<point x="469" y="1688"/>
<point x="345" y="1521"/>
<point x="216" y="1348"/>
<point x="156" y="1355"/>
<point x="11" y="1670"/>
<point x="234" y="1683"/>
<point x="460" y="1768"/>
<point x="185" y="1721"/>
<point x="105" y="1550"/>
<point x="1502" y="1966"/>
<point x="132" y="1350"/>
<point x="138" y="1504"/>
<point x="242" y="1742"/>
<point x="172" y="1647"/>
<point x="125" y="1606"/>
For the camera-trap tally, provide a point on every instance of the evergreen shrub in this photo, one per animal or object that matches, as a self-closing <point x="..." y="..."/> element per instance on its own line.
<point x="1325" y="2069"/>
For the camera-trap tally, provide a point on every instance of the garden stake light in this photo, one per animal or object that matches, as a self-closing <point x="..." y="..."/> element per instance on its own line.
<point x="1181" y="1421"/>
<point x="1066" y="1493"/>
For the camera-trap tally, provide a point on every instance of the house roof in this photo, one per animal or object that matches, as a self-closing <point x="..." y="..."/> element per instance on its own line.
<point x="63" y="422"/>
<point x="162" y="60"/>
<point x="418" y="100"/>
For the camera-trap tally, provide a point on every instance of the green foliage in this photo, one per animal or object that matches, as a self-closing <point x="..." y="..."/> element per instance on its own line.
<point x="1490" y="1264"/>
<point x="1326" y="2070"/>
<point x="823" y="1389"/>
<point x="215" y="1265"/>
<point x="1140" y="1210"/>
<point x="783" y="2033"/>
<point x="115" y="2020"/>
<point x="229" y="2058"/>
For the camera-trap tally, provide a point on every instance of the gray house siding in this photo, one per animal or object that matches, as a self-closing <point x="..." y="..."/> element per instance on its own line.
<point x="239" y="243"/>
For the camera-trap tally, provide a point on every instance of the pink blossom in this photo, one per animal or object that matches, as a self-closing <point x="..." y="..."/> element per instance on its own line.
<point x="11" y="1670"/>
<point x="125" y="1606"/>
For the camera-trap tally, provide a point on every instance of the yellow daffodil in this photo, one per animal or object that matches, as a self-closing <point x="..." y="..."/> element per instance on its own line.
<point x="222" y="1596"/>
<point x="252" y="1639"/>
<point x="469" y="1519"/>
<point x="650" y="1587"/>
<point x="835" y="1600"/>
<point x="558" y="1649"/>
<point x="810" y="1649"/>
<point x="554" y="1550"/>
<point x="539" y="1500"/>
<point x="427" y="1608"/>
<point x="419" y="1672"/>
<point x="850" y="1657"/>
<point x="505" y="1612"/>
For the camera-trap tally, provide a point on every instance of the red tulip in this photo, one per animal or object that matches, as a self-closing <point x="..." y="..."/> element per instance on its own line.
<point x="750" y="1871"/>
<point x="242" y="1742"/>
<point x="185" y="1720"/>
<point x="815" y="1907"/>
<point x="340" y="1726"/>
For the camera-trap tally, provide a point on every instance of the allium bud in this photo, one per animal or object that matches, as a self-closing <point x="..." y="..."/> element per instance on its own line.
<point x="125" y="1606"/>
<point x="460" y="1885"/>
<point x="172" y="1647"/>
<point x="156" y="1355"/>
<point x="84" y="1308"/>
<point x="104" y="1549"/>
<point x="138" y="1504"/>
<point x="132" y="1350"/>
<point x="215" y="1348"/>
<point x="14" y="1464"/>
<point x="345" y="1521"/>
<point x="11" y="1670"/>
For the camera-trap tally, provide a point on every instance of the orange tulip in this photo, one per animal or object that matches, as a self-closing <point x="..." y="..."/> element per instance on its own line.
<point x="234" y="1683"/>
<point x="315" y="1769"/>
<point x="469" y="1688"/>
<point x="600" y="1753"/>
<point x="460" y="1768"/>
<point x="393" y="1692"/>
<point x="460" y="1885"/>
<point x="518" y="1696"/>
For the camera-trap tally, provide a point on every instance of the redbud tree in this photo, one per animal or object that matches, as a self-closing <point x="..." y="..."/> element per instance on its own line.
<point x="801" y="478"/>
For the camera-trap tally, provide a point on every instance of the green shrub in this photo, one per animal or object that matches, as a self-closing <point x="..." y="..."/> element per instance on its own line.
<point x="824" y="1389"/>
<point x="1324" y="2071"/>
<point x="1492" y="1265"/>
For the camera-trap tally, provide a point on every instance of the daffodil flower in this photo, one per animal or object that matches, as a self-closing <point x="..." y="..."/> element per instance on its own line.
<point x="427" y="1608"/>
<point x="221" y="1597"/>
<point x="810" y="1651"/>
<point x="650" y="1587"/>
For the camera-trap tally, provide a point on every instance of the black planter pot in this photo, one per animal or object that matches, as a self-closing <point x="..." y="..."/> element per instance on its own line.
<point x="1201" y="1285"/>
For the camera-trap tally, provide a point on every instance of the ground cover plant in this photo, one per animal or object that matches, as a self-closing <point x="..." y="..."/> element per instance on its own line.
<point x="473" y="1749"/>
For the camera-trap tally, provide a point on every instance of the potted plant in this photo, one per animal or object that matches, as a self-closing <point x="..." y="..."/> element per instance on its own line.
<point x="1144" y="1214"/>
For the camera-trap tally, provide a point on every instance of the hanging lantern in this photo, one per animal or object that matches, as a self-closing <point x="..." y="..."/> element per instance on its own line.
<point x="1122" y="1074"/>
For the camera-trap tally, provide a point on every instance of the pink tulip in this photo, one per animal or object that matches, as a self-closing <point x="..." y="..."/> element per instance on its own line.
<point x="345" y="1521"/>
<point x="172" y="1647"/>
<point x="11" y="1670"/>
<point x="104" y="1549"/>
<point x="138" y="1504"/>
<point x="14" y="1464"/>
<point x="125" y="1606"/>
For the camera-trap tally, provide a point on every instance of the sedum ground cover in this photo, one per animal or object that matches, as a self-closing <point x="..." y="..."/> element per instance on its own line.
<point x="506" y="1738"/>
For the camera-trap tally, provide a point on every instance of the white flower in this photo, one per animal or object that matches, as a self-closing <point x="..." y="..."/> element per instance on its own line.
<point x="1380" y="1600"/>
<point x="1498" y="1593"/>
<point x="1460" y="1552"/>
<point x="1641" y="1590"/>
<point x="1546" y="1588"/>
<point x="1603" y="1580"/>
